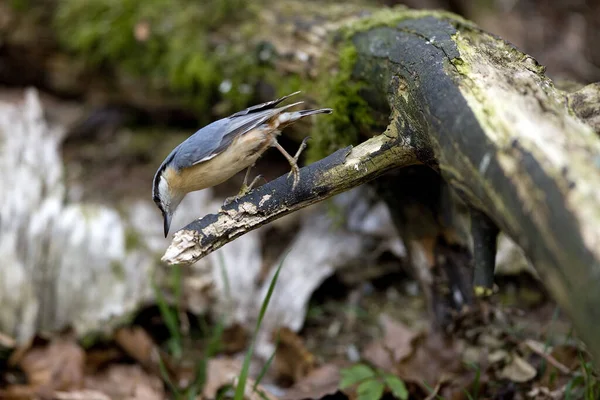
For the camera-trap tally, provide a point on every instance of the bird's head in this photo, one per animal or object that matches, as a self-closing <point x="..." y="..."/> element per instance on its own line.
<point x="166" y="199"/>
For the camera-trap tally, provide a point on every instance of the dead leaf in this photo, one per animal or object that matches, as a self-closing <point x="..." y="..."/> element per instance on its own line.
<point x="518" y="370"/>
<point x="497" y="356"/>
<point x="7" y="341"/>
<point x="543" y="393"/>
<point x="224" y="372"/>
<point x="234" y="339"/>
<point x="81" y="395"/>
<point x="393" y="348"/>
<point x="435" y="358"/>
<point x="319" y="383"/>
<point x="136" y="342"/>
<point x="539" y="349"/>
<point x="568" y="357"/>
<point x="97" y="358"/>
<point x="18" y="392"/>
<point x="48" y="366"/>
<point x="126" y="382"/>
<point x="490" y="341"/>
<point x="219" y="373"/>
<point x="292" y="360"/>
<point x="425" y="359"/>
<point x="18" y="354"/>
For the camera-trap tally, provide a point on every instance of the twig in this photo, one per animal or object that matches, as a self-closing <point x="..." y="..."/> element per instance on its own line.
<point x="536" y="348"/>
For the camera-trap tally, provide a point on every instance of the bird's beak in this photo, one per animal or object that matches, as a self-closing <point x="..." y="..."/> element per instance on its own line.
<point x="167" y="222"/>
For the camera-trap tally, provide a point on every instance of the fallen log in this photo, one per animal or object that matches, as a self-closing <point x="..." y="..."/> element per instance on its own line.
<point x="483" y="114"/>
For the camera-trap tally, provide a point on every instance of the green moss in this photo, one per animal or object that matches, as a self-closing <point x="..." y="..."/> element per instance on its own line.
<point x="168" y="42"/>
<point x="20" y="5"/>
<point x="351" y="112"/>
<point x="344" y="91"/>
<point x="391" y="16"/>
<point x="381" y="17"/>
<point x="291" y="84"/>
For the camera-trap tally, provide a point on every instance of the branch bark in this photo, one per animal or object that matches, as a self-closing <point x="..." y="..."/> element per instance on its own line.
<point x="341" y="171"/>
<point x="486" y="117"/>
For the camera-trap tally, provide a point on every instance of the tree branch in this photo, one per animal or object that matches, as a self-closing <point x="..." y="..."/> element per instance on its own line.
<point x="341" y="171"/>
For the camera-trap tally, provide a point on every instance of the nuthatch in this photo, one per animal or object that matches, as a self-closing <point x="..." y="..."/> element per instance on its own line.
<point x="222" y="149"/>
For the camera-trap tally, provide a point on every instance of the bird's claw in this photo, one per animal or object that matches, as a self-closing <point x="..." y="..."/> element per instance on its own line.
<point x="301" y="148"/>
<point x="244" y="190"/>
<point x="295" y="170"/>
<point x="230" y="199"/>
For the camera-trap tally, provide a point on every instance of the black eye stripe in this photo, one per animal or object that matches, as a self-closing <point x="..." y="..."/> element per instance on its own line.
<point x="157" y="177"/>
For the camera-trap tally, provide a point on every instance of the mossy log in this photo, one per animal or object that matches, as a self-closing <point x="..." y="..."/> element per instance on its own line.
<point x="482" y="114"/>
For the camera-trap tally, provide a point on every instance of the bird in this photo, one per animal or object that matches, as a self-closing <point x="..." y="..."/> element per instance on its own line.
<point x="223" y="148"/>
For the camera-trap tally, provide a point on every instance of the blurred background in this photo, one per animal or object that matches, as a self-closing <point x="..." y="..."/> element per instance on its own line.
<point x="95" y="93"/>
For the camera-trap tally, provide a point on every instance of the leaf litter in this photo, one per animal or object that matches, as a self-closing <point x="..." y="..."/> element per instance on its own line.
<point x="487" y="352"/>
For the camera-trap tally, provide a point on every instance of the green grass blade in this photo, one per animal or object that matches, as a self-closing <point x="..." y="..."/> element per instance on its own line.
<point x="165" y="375"/>
<point x="171" y="321"/>
<point x="213" y="347"/>
<point x="267" y="365"/>
<point x="176" y="285"/>
<point x="239" y="390"/>
<point x="262" y="395"/>
<point x="192" y="393"/>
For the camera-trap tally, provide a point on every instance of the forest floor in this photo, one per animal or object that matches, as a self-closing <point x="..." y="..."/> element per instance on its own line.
<point x="368" y="342"/>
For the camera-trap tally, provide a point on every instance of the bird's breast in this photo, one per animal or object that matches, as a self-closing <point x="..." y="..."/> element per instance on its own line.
<point x="241" y="153"/>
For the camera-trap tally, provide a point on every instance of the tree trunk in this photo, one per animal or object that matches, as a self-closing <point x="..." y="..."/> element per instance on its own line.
<point x="472" y="107"/>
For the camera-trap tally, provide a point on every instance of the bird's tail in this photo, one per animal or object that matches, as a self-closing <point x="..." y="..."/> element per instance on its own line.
<point x="306" y="113"/>
<point x="290" y="117"/>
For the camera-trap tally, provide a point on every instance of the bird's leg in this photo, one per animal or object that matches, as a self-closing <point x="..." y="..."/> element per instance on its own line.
<point x="245" y="183"/>
<point x="293" y="160"/>
<point x="301" y="148"/>
<point x="245" y="187"/>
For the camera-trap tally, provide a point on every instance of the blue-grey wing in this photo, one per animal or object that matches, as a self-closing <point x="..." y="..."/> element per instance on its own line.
<point x="201" y="146"/>
<point x="214" y="138"/>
